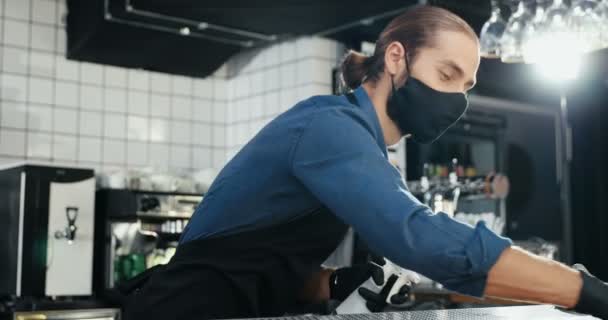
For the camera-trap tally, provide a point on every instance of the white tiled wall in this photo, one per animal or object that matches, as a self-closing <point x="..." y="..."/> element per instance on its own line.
<point x="265" y="82"/>
<point x="105" y="117"/>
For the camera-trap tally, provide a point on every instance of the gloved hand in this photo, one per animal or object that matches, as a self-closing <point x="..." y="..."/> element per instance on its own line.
<point x="396" y="283"/>
<point x="594" y="295"/>
<point x="344" y="281"/>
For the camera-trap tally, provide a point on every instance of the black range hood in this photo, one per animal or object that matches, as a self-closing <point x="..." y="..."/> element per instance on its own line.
<point x="194" y="38"/>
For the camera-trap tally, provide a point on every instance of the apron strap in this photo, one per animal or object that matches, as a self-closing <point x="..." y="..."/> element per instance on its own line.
<point x="352" y="99"/>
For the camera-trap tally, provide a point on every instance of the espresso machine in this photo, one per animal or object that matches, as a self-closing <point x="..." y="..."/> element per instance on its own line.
<point x="137" y="230"/>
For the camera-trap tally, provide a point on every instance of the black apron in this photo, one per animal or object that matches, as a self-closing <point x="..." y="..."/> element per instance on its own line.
<point x="256" y="273"/>
<point x="248" y="274"/>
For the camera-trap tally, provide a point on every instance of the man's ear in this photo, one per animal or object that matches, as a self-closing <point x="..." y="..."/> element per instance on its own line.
<point x="394" y="58"/>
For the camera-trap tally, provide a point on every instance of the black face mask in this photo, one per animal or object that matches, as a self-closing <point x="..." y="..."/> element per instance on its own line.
<point x="424" y="112"/>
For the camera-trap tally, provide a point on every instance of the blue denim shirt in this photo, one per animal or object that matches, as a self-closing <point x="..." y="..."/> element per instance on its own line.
<point x="327" y="151"/>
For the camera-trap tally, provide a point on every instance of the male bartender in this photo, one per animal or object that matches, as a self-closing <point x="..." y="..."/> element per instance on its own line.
<point x="255" y="244"/>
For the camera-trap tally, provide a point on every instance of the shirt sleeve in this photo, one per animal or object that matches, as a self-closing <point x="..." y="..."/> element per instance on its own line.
<point x="338" y="160"/>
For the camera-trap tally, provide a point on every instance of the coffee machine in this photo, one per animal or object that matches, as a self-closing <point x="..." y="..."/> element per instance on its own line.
<point x="46" y="231"/>
<point x="136" y="230"/>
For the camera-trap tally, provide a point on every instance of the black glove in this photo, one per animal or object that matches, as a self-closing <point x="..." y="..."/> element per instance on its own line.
<point x="376" y="302"/>
<point x="594" y="295"/>
<point x="346" y="280"/>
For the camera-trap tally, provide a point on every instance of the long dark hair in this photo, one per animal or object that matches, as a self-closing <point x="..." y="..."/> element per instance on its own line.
<point x="414" y="29"/>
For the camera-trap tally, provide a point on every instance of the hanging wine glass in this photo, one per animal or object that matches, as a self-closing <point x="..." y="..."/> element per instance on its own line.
<point x="512" y="39"/>
<point x="531" y="46"/>
<point x="584" y="22"/>
<point x="491" y="32"/>
<point x="602" y="12"/>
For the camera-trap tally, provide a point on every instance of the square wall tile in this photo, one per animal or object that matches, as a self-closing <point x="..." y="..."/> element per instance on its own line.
<point x="160" y="82"/>
<point x="41" y="91"/>
<point x="43" y="11"/>
<point x="201" y="158"/>
<point x="13" y="115"/>
<point x="12" y="142"/>
<point x="202" y="110"/>
<point x="159" y="130"/>
<point x="180" y="132"/>
<point x="179" y="157"/>
<point x="115" y="125"/>
<point x="39" y="145"/>
<point x="91" y="97"/>
<point x="113" y="151"/>
<point x="181" y="108"/>
<point x="42" y="37"/>
<point x="139" y="79"/>
<point x="115" y="76"/>
<point x="181" y="85"/>
<point x="66" y="94"/>
<point x="158" y="156"/>
<point x="65" y="120"/>
<point x="91" y="73"/>
<point x="39" y="118"/>
<point x="91" y="123"/>
<point x="138" y="103"/>
<point x="203" y="88"/>
<point x="16" y="33"/>
<point x="137" y="153"/>
<point x="66" y="69"/>
<point x="115" y="100"/>
<point x="15" y="60"/>
<point x="41" y="64"/>
<point x="17" y="9"/>
<point x="64" y="147"/>
<point x="89" y="149"/>
<point x="137" y="128"/>
<point x="13" y="87"/>
<point x="160" y="105"/>
<point x="201" y="134"/>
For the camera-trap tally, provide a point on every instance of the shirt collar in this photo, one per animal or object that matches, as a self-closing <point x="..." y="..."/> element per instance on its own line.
<point x="366" y="104"/>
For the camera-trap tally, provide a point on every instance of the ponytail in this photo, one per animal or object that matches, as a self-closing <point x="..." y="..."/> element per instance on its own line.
<point x="354" y="69"/>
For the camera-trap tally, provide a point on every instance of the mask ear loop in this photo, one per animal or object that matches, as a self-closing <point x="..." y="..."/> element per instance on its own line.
<point x="407" y="68"/>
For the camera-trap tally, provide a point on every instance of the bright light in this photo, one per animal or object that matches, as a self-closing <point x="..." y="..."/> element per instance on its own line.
<point x="557" y="55"/>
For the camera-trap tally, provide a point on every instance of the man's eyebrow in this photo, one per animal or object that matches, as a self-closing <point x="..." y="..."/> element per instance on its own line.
<point x="453" y="65"/>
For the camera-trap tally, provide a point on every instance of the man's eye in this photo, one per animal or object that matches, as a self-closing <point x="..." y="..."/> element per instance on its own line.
<point x="444" y="76"/>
